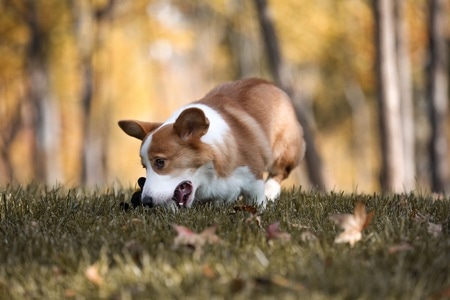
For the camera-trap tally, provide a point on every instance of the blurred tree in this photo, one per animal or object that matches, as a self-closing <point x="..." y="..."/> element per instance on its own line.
<point x="241" y="41"/>
<point x="393" y="164"/>
<point x="283" y="80"/>
<point x="405" y="91"/>
<point x="151" y="56"/>
<point x="437" y="94"/>
<point x="45" y="115"/>
<point x="11" y="88"/>
<point x="88" y="22"/>
<point x="7" y="136"/>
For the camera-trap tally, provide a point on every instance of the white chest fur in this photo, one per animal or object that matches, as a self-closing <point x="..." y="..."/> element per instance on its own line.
<point x="241" y="181"/>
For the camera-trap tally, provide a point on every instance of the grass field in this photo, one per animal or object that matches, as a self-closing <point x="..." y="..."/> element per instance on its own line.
<point x="79" y="244"/>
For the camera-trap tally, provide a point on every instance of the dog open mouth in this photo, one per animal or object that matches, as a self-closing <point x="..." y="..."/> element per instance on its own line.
<point x="182" y="193"/>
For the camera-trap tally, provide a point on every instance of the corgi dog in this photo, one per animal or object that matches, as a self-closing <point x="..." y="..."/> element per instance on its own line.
<point x="221" y="146"/>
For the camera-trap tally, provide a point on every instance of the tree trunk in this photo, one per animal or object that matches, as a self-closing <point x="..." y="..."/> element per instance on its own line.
<point x="283" y="80"/>
<point x="406" y="98"/>
<point x="85" y="34"/>
<point x="392" y="173"/>
<point x="361" y="125"/>
<point x="438" y="95"/>
<point x="240" y="43"/>
<point x="87" y="28"/>
<point x="45" y="111"/>
<point x="7" y="136"/>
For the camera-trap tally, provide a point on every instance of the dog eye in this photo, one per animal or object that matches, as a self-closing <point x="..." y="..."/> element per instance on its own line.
<point x="159" y="163"/>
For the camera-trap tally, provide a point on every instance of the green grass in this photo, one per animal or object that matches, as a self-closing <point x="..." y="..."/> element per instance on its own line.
<point x="50" y="236"/>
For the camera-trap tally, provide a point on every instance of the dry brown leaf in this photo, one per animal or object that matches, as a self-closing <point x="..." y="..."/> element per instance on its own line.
<point x="298" y="225"/>
<point x="435" y="197"/>
<point x="353" y="224"/>
<point x="286" y="283"/>
<point x="208" y="272"/>
<point x="308" y="236"/>
<point x="273" y="232"/>
<point x="442" y="294"/>
<point x="209" y="235"/>
<point x="135" y="250"/>
<point x="187" y="237"/>
<point x="254" y="218"/>
<point x="246" y="208"/>
<point x="403" y="201"/>
<point x="93" y="275"/>
<point x="69" y="293"/>
<point x="434" y="229"/>
<point x="402" y="247"/>
<point x="419" y="217"/>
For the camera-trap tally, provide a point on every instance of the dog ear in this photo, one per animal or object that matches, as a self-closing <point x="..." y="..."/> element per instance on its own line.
<point x="192" y="123"/>
<point x="138" y="129"/>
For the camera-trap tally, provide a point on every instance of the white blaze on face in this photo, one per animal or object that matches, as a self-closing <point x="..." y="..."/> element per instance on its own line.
<point x="161" y="188"/>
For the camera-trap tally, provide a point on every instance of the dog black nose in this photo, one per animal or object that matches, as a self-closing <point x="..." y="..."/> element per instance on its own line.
<point x="147" y="201"/>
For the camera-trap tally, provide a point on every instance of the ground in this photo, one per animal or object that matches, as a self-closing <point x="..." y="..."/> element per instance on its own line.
<point x="76" y="243"/>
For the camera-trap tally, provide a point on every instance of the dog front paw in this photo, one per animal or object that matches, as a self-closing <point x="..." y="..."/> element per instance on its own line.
<point x="272" y="189"/>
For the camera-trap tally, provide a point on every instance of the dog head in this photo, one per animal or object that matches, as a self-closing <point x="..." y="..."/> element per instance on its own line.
<point x="171" y="153"/>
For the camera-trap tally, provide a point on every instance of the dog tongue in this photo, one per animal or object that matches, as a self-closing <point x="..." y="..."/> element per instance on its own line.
<point x="182" y="193"/>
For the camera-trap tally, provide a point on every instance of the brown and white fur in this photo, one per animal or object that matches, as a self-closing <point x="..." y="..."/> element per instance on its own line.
<point x="219" y="147"/>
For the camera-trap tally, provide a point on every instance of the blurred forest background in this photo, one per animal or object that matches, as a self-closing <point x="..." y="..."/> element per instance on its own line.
<point x="369" y="80"/>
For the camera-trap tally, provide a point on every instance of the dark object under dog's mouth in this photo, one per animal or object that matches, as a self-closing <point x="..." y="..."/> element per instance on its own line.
<point x="182" y="193"/>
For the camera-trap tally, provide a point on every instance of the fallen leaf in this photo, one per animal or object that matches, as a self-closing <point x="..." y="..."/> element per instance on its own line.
<point x="57" y="271"/>
<point x="443" y="294"/>
<point x="135" y="250"/>
<point x="187" y="237"/>
<point x="246" y="208"/>
<point x="286" y="283"/>
<point x="419" y="217"/>
<point x="208" y="272"/>
<point x="437" y="197"/>
<point x="254" y="218"/>
<point x="369" y="217"/>
<point x="69" y="293"/>
<point x="298" y="225"/>
<point x="434" y="229"/>
<point x="132" y="222"/>
<point x="353" y="224"/>
<point x="93" y="275"/>
<point x="136" y="221"/>
<point x="403" y="203"/>
<point x="209" y="235"/>
<point x="273" y="232"/>
<point x="402" y="247"/>
<point x="308" y="236"/>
